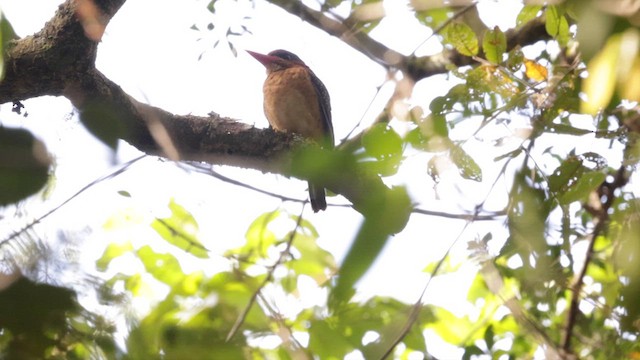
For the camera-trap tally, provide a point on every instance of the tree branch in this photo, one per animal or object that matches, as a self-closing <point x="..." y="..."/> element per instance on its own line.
<point x="413" y="66"/>
<point x="59" y="60"/>
<point x="600" y="212"/>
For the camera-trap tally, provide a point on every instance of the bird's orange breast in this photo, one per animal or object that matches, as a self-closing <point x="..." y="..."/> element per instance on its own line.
<point x="291" y="103"/>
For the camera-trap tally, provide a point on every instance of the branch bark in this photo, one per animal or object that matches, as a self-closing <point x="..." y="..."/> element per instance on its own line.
<point x="59" y="60"/>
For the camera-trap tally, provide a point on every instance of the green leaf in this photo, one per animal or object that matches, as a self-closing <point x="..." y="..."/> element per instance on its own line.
<point x="313" y="261"/>
<point x="385" y="214"/>
<point x="467" y="167"/>
<point x="567" y="129"/>
<point x="478" y="289"/>
<point x="564" y="35"/>
<point x="462" y="37"/>
<point x="6" y="34"/>
<point x="511" y="154"/>
<point x="321" y="334"/>
<point x="470" y="351"/>
<point x="385" y="145"/>
<point x="112" y="251"/>
<point x="103" y="121"/>
<point x="573" y="181"/>
<point x="435" y="16"/>
<point x="556" y="24"/>
<point x="24" y="165"/>
<point x="528" y="13"/>
<point x="259" y="239"/>
<point x="446" y="267"/>
<point x="527" y="214"/>
<point x="431" y="135"/>
<point x="382" y="142"/>
<point x="318" y="164"/>
<point x="488" y="336"/>
<point x="580" y="189"/>
<point x="494" y="44"/>
<point x="124" y="193"/>
<point x="566" y="174"/>
<point x="180" y="229"/>
<point x="163" y="267"/>
<point x="452" y="329"/>
<point x="515" y="60"/>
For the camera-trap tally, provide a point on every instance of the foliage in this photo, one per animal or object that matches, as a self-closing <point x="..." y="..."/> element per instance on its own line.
<point x="562" y="283"/>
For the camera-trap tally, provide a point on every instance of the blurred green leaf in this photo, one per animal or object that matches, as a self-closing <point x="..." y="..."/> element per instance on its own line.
<point x="24" y="165"/>
<point x="164" y="267"/>
<point x="432" y="134"/>
<point x="103" y="121"/>
<point x="494" y="45"/>
<point x="553" y="19"/>
<point x="566" y="174"/>
<point x="318" y="164"/>
<point x="488" y="336"/>
<point x="462" y="37"/>
<point x="528" y="13"/>
<point x="35" y="316"/>
<point x="321" y="334"/>
<point x="556" y="24"/>
<point x="259" y="239"/>
<point x="385" y="214"/>
<point x="527" y="214"/>
<point x="467" y="167"/>
<point x="112" y="251"/>
<point x="313" y="261"/>
<point x="579" y="190"/>
<point x="6" y="34"/>
<point x="181" y="230"/>
<point x="382" y="142"/>
<point x="478" y="289"/>
<point x="452" y="329"/>
<point x="471" y="351"/>
<point x="572" y="181"/>
<point x="446" y="267"/>
<point x="434" y="17"/>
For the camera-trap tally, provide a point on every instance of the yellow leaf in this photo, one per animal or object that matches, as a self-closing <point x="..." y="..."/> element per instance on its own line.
<point x="630" y="88"/>
<point x="628" y="67"/>
<point x="535" y="71"/>
<point x="600" y="84"/>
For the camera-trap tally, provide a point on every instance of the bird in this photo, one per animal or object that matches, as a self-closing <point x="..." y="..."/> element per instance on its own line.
<point x="296" y="101"/>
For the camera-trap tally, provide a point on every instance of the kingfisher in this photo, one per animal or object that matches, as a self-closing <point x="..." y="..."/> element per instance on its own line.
<point x="296" y="101"/>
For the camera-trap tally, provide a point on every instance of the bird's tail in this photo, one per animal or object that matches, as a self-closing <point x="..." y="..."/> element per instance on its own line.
<point x="317" y="197"/>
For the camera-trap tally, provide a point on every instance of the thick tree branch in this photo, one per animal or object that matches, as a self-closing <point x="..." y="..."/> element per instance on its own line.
<point x="415" y="67"/>
<point x="59" y="60"/>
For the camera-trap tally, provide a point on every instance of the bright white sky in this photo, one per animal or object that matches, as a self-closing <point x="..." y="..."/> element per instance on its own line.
<point x="150" y="51"/>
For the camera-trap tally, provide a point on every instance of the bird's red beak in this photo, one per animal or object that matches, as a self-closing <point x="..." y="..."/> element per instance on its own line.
<point x="264" y="59"/>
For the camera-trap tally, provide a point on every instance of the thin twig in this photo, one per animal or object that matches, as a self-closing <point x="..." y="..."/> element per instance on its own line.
<point x="267" y="279"/>
<point x="296" y="350"/>
<point x="467" y="217"/>
<point x="209" y="171"/>
<point x="417" y="307"/>
<point x="180" y="233"/>
<point x="353" y="129"/>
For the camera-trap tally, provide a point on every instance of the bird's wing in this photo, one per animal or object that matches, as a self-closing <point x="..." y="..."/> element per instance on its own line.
<point x="325" y="107"/>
